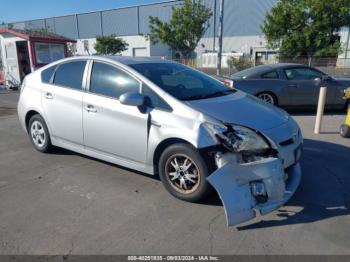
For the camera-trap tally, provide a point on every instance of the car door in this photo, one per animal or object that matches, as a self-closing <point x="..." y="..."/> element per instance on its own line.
<point x="335" y="91"/>
<point x="303" y="84"/>
<point x="110" y="127"/>
<point x="62" y="97"/>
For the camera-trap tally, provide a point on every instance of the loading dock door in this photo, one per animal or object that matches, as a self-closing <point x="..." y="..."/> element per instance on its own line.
<point x="140" y="51"/>
<point x="12" y="70"/>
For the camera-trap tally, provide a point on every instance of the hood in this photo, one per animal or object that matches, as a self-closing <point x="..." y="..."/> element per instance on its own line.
<point x="343" y="81"/>
<point x="241" y="109"/>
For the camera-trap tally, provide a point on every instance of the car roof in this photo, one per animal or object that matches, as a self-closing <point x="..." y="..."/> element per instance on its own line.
<point x="126" y="60"/>
<point x="261" y="69"/>
<point x="129" y="60"/>
<point x="278" y="65"/>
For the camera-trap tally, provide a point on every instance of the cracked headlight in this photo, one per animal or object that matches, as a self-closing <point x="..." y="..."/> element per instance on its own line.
<point x="215" y="130"/>
<point x="242" y="139"/>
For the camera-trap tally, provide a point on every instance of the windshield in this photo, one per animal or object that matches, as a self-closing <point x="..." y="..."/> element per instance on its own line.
<point x="181" y="81"/>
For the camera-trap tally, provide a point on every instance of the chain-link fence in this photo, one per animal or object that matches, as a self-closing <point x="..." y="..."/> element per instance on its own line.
<point x="334" y="66"/>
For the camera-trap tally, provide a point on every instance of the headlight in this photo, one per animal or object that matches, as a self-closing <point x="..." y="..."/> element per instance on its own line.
<point x="214" y="130"/>
<point x="244" y="139"/>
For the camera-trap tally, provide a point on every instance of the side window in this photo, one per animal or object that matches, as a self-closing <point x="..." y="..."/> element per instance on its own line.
<point x="46" y="74"/>
<point x="302" y="73"/>
<point x="70" y="74"/>
<point x="109" y="81"/>
<point x="270" y="75"/>
<point x="153" y="100"/>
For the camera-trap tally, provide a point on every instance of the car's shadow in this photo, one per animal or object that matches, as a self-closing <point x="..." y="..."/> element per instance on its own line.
<point x="313" y="111"/>
<point x="324" y="191"/>
<point x="62" y="151"/>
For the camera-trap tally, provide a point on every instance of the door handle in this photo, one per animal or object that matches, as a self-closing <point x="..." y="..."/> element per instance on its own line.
<point x="48" y="95"/>
<point x="90" y="108"/>
<point x="293" y="86"/>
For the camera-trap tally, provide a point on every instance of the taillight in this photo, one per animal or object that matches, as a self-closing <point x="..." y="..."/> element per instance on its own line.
<point x="227" y="82"/>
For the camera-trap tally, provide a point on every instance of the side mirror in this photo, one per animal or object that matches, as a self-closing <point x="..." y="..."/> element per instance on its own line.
<point x="132" y="99"/>
<point x="326" y="77"/>
<point x="323" y="78"/>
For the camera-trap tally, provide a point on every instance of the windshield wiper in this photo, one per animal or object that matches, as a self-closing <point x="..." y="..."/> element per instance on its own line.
<point x="220" y="93"/>
<point x="215" y="94"/>
<point x="195" y="97"/>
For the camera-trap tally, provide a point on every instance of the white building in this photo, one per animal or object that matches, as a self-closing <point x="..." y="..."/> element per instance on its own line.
<point x="241" y="32"/>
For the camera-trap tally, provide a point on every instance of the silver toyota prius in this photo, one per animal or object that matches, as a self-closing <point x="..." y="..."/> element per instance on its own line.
<point x="164" y="118"/>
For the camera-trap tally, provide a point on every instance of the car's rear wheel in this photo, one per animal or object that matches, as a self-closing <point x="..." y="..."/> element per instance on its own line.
<point x="268" y="98"/>
<point x="39" y="134"/>
<point x="183" y="172"/>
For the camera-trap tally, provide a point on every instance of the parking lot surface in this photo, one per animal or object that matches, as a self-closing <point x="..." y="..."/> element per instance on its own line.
<point x="66" y="203"/>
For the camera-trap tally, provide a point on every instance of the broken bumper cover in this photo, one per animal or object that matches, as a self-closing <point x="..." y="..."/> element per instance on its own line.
<point x="233" y="183"/>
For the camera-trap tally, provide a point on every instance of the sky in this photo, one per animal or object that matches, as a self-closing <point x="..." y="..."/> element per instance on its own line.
<point x="19" y="10"/>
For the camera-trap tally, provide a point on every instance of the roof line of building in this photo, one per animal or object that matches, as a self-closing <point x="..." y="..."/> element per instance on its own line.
<point x="97" y="11"/>
<point x="36" y="35"/>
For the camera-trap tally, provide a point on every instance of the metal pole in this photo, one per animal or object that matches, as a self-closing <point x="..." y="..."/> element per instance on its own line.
<point x="347" y="44"/>
<point x="101" y="22"/>
<point x="221" y="30"/>
<point x="214" y="24"/>
<point x="320" y="109"/>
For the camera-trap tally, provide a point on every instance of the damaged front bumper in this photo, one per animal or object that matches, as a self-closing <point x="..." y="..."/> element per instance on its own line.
<point x="236" y="185"/>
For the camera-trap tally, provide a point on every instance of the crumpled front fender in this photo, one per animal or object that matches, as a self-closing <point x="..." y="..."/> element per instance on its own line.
<point x="232" y="182"/>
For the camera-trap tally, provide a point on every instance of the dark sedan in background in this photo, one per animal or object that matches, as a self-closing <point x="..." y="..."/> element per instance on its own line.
<point x="290" y="85"/>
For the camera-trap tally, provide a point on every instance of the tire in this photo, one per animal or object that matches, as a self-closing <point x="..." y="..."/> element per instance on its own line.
<point x="191" y="173"/>
<point x="39" y="134"/>
<point x="268" y="98"/>
<point x="344" y="131"/>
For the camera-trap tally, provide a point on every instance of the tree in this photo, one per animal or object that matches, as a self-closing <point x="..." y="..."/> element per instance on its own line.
<point x="239" y="63"/>
<point x="110" y="45"/>
<point x="306" y="27"/>
<point x="186" y="27"/>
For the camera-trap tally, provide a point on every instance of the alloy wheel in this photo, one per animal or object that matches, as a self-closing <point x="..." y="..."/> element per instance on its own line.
<point x="182" y="173"/>
<point x="268" y="98"/>
<point x="37" y="133"/>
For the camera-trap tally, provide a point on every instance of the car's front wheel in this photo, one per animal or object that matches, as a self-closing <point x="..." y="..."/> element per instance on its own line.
<point x="39" y="134"/>
<point x="183" y="172"/>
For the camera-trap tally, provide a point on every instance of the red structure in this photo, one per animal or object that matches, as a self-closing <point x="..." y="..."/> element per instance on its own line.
<point x="27" y="50"/>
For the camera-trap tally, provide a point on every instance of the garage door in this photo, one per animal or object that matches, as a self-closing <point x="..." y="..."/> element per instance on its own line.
<point x="142" y="51"/>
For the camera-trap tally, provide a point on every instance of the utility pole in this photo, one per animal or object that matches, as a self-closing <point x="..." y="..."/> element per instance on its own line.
<point x="221" y="30"/>
<point x="347" y="45"/>
<point x="214" y="22"/>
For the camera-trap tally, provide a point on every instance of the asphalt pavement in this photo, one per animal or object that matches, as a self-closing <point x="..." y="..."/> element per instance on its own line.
<point x="66" y="203"/>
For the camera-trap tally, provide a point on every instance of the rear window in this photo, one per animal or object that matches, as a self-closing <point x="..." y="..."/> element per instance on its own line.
<point x="270" y="75"/>
<point x="252" y="72"/>
<point x="46" y="75"/>
<point x="70" y="74"/>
